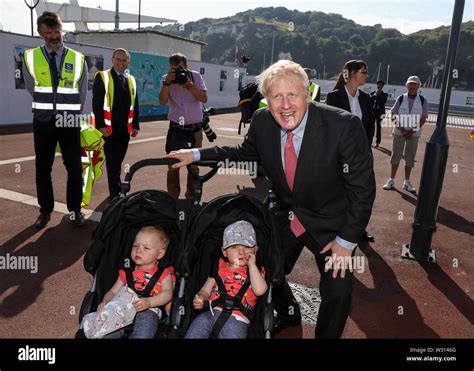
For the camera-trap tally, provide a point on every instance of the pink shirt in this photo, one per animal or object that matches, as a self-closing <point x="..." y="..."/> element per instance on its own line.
<point x="184" y="108"/>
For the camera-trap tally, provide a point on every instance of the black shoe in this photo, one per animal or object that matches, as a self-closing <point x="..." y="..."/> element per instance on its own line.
<point x="42" y="220"/>
<point x="368" y="237"/>
<point x="280" y="323"/>
<point x="77" y="218"/>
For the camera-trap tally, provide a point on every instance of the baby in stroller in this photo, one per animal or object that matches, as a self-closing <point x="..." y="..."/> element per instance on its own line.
<point x="153" y="285"/>
<point x="233" y="292"/>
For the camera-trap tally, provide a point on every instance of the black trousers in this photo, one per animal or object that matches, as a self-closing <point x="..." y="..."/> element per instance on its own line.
<point x="46" y="136"/>
<point x="378" y="120"/>
<point x="336" y="293"/>
<point x="115" y="149"/>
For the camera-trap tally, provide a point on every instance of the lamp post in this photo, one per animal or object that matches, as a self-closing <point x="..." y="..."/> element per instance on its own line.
<point x="273" y="46"/>
<point x="117" y="16"/>
<point x="33" y="5"/>
<point x="139" y="13"/>
<point x="436" y="157"/>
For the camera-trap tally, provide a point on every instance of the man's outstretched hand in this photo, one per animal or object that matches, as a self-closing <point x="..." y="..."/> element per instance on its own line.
<point x="185" y="157"/>
<point x="340" y="259"/>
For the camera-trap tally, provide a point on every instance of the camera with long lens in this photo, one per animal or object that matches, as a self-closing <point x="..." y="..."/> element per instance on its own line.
<point x="181" y="76"/>
<point x="211" y="136"/>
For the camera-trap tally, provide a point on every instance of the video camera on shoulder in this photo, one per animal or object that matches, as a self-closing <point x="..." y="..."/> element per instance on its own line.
<point x="181" y="76"/>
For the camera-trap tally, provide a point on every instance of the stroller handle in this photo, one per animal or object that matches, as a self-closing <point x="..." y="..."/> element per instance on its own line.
<point x="125" y="185"/>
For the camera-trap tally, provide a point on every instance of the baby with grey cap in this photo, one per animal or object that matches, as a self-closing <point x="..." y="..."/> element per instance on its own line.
<point x="241" y="282"/>
<point x="239" y="233"/>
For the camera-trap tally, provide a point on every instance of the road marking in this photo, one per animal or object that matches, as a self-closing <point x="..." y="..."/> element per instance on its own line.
<point x="147" y="140"/>
<point x="309" y="300"/>
<point x="58" y="206"/>
<point x="21" y="159"/>
<point x="30" y="158"/>
<point x="230" y="136"/>
<point x="227" y="129"/>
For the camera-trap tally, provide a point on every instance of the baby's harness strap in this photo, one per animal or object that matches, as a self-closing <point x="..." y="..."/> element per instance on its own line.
<point x="228" y="304"/>
<point x="145" y="293"/>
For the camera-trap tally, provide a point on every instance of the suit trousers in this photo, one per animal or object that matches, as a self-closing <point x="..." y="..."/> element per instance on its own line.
<point x="378" y="121"/>
<point x="115" y="149"/>
<point x="336" y="293"/>
<point x="46" y="136"/>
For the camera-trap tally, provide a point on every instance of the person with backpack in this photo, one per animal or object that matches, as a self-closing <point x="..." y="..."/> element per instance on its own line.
<point x="409" y="114"/>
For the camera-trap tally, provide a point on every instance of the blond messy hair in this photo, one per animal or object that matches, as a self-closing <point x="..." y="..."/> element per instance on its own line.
<point x="281" y="69"/>
<point x="159" y="232"/>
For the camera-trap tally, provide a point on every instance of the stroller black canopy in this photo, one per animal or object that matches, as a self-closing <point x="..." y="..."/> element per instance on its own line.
<point x="113" y="238"/>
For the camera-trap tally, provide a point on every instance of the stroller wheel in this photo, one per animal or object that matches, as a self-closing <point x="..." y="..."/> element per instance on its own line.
<point x="87" y="304"/>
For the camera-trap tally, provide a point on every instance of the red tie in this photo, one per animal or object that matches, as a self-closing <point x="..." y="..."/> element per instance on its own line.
<point x="290" y="170"/>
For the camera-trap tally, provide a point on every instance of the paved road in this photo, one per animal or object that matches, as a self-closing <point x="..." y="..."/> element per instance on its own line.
<point x="392" y="297"/>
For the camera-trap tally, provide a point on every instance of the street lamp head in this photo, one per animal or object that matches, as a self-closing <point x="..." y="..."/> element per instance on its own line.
<point x="31" y="3"/>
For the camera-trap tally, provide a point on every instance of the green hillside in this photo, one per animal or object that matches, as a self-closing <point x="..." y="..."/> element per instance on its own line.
<point x="325" y="41"/>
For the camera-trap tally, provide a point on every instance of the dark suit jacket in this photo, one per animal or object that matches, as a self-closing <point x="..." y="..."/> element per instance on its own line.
<point x="378" y="102"/>
<point x="338" y="98"/>
<point x="120" y="107"/>
<point x="334" y="184"/>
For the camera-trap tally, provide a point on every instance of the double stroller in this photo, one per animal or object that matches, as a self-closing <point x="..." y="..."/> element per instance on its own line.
<point x="195" y="233"/>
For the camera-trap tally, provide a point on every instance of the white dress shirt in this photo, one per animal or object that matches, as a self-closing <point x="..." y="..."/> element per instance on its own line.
<point x="354" y="103"/>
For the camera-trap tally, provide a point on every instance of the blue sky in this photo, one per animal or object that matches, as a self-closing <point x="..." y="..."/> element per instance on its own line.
<point x="405" y="15"/>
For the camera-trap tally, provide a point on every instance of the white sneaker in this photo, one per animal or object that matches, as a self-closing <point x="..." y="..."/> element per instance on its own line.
<point x="389" y="185"/>
<point x="408" y="186"/>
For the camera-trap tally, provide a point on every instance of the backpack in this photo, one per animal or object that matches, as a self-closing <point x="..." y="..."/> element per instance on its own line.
<point x="249" y="100"/>
<point x="248" y="91"/>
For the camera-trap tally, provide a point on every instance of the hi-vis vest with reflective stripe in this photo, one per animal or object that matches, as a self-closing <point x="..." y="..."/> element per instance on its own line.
<point x="66" y="96"/>
<point x="313" y="89"/>
<point x="109" y="99"/>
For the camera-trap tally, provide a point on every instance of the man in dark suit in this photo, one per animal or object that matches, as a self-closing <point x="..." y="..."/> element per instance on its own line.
<point x="115" y="114"/>
<point x="379" y="99"/>
<point x="318" y="160"/>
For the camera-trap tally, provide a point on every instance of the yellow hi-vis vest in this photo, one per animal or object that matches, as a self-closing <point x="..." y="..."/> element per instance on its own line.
<point x="66" y="96"/>
<point x="109" y="99"/>
<point x="92" y="158"/>
<point x="313" y="89"/>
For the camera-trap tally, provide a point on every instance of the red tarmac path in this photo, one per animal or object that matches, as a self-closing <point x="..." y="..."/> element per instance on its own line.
<point x="392" y="298"/>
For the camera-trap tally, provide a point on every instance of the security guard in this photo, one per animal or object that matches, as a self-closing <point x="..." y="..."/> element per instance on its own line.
<point x="56" y="77"/>
<point x="314" y="88"/>
<point x="115" y="114"/>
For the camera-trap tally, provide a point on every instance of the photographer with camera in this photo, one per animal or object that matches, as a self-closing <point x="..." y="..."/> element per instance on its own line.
<point x="186" y="92"/>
